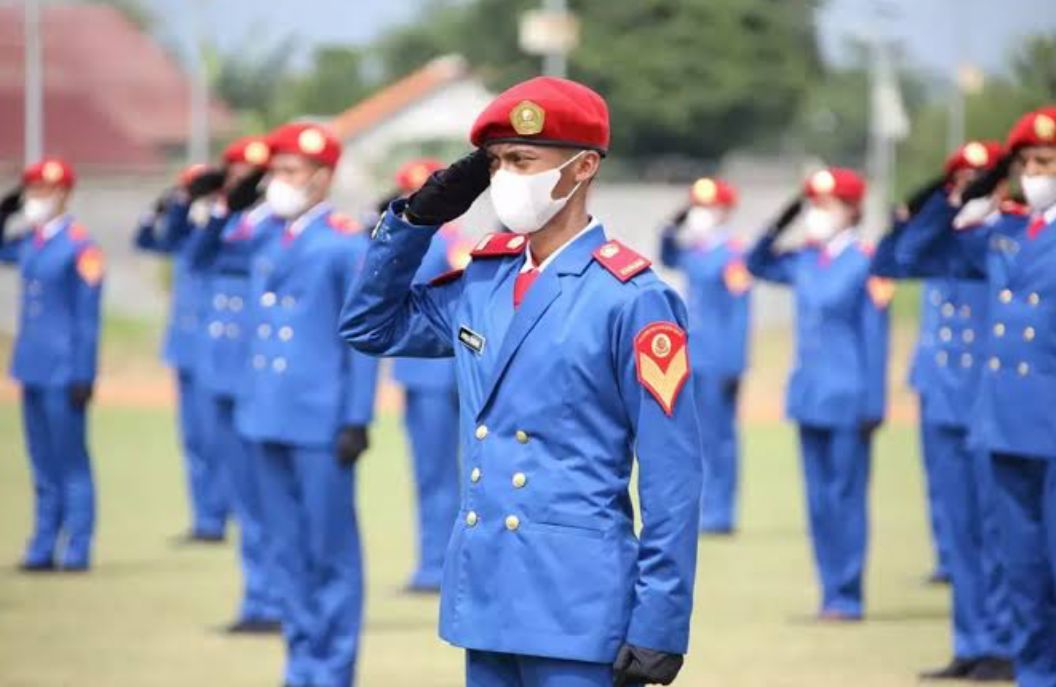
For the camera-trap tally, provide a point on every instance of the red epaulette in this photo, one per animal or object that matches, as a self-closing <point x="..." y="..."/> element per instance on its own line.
<point x="499" y="245"/>
<point x="343" y="224"/>
<point x="867" y="247"/>
<point x="1011" y="207"/>
<point x="736" y="244"/>
<point x="77" y="232"/>
<point x="446" y="278"/>
<point x="623" y="262"/>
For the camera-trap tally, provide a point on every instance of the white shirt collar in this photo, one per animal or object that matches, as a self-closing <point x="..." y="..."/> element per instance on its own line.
<point x="297" y="226"/>
<point x="839" y="243"/>
<point x="53" y="227"/>
<point x="1049" y="215"/>
<point x="529" y="261"/>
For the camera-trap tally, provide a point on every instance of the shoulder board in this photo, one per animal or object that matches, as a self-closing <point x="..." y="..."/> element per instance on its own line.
<point x="343" y="224"/>
<point x="458" y="255"/>
<point x="867" y="247"/>
<point x="623" y="262"/>
<point x="499" y="245"/>
<point x="1011" y="207"/>
<point x="737" y="278"/>
<point x="446" y="278"/>
<point x="90" y="264"/>
<point x="77" y="232"/>
<point x="735" y="244"/>
<point x="881" y="291"/>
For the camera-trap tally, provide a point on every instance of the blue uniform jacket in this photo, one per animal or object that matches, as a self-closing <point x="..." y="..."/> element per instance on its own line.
<point x="170" y="234"/>
<point x="58" y="331"/>
<point x="305" y="383"/>
<point x="222" y="254"/>
<point x="718" y="299"/>
<point x="840" y="372"/>
<point x="447" y="252"/>
<point x="544" y="559"/>
<point x="949" y="352"/>
<point x="1017" y="393"/>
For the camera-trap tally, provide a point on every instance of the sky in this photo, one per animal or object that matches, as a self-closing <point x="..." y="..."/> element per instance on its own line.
<point x="935" y="35"/>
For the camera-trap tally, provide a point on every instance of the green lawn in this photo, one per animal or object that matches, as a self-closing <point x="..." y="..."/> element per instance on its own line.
<point x="147" y="616"/>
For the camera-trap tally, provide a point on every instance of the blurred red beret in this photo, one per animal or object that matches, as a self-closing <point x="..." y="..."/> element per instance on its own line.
<point x="708" y="191"/>
<point x="975" y="155"/>
<point x="253" y="150"/>
<point x="312" y="141"/>
<point x="1037" y="128"/>
<point x="411" y="175"/>
<point x="50" y="170"/>
<point x="845" y="184"/>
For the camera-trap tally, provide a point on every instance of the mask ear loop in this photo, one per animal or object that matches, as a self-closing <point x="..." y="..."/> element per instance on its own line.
<point x="578" y="183"/>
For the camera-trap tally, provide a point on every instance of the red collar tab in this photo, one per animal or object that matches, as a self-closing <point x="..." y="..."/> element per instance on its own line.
<point x="446" y="278"/>
<point x="1011" y="207"/>
<point x="499" y="245"/>
<point x="623" y="262"/>
<point x="343" y="224"/>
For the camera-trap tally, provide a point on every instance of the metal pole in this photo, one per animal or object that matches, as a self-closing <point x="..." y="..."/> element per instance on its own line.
<point x="555" y="64"/>
<point x="198" y="138"/>
<point x="33" y="148"/>
<point x="955" y="127"/>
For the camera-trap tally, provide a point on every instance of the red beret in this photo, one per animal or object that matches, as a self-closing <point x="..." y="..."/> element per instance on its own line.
<point x="974" y="155"/>
<point x="190" y="173"/>
<point x="312" y="141"/>
<point x="844" y="184"/>
<point x="1037" y="128"/>
<point x="253" y="150"/>
<point x="411" y="175"/>
<point x="50" y="170"/>
<point x="545" y="111"/>
<point x="709" y="191"/>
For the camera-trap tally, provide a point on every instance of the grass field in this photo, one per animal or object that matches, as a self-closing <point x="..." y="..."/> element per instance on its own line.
<point x="148" y="615"/>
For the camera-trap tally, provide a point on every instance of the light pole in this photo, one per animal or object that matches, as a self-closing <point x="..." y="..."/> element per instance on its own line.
<point x="556" y="63"/>
<point x="198" y="125"/>
<point x="551" y="32"/>
<point x="33" y="148"/>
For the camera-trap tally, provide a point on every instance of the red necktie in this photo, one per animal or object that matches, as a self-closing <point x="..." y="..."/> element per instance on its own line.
<point x="1035" y="226"/>
<point x="521" y="286"/>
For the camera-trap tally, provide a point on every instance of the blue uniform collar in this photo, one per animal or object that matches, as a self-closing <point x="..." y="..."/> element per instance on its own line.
<point x="575" y="255"/>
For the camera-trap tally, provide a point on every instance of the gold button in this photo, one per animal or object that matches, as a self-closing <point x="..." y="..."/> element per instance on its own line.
<point x="512" y="522"/>
<point x="945" y="334"/>
<point x="941" y="358"/>
<point x="522" y="436"/>
<point x="519" y="480"/>
<point x="474" y="475"/>
<point x="1034" y="299"/>
<point x="1029" y="333"/>
<point x="1023" y="369"/>
<point x="966" y="311"/>
<point x="995" y="364"/>
<point x="968" y="336"/>
<point x="1006" y="296"/>
<point x="999" y="329"/>
<point x="471" y="518"/>
<point x="966" y="360"/>
<point x="947" y="309"/>
<point x="482" y="431"/>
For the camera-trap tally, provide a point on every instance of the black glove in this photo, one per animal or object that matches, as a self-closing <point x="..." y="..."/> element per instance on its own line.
<point x="246" y="192"/>
<point x="731" y="388"/>
<point x="635" y="665"/>
<point x="209" y="181"/>
<point x="450" y="192"/>
<point x="384" y="203"/>
<point x="917" y="199"/>
<point x="867" y="427"/>
<point x="680" y="217"/>
<point x="352" y="441"/>
<point x="12" y="202"/>
<point x="80" y="394"/>
<point x="788" y="213"/>
<point x="985" y="183"/>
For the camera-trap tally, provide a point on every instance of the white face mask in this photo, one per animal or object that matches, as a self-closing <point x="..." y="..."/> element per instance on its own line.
<point x="524" y="202"/>
<point x="701" y="222"/>
<point x="285" y="200"/>
<point x="1039" y="190"/>
<point x="199" y="212"/>
<point x="39" y="211"/>
<point x="821" y="224"/>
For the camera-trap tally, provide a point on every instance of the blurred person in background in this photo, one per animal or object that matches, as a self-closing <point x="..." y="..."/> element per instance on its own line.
<point x="306" y="408"/>
<point x="236" y="227"/>
<point x="55" y="359"/>
<point x="975" y="235"/>
<point x="699" y="243"/>
<point x="166" y="230"/>
<point x="837" y="389"/>
<point x="431" y="405"/>
<point x="946" y="372"/>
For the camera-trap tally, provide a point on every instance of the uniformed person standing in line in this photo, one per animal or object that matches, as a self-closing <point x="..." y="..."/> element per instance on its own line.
<point x="431" y="406"/>
<point x="699" y="243"/>
<point x="1015" y="252"/>
<point x="306" y="408"/>
<point x="54" y="360"/>
<point x="236" y="230"/>
<point x="166" y="231"/>
<point x="837" y="390"/>
<point x="571" y="359"/>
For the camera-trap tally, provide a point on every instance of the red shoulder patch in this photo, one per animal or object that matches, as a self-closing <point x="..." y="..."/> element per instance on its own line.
<point x="662" y="362"/>
<point x="499" y="245"/>
<point x="90" y="264"/>
<point x="447" y="277"/>
<point x="623" y="262"/>
<point x="1011" y="207"/>
<point x="78" y="232"/>
<point x="737" y="278"/>
<point x="867" y="247"/>
<point x="736" y="244"/>
<point x="881" y="291"/>
<point x="343" y="224"/>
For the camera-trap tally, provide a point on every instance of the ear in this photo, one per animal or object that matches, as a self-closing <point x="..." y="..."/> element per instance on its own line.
<point x="586" y="167"/>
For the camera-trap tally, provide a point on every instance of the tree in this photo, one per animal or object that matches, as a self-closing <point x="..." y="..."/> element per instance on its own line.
<point x="1034" y="66"/>
<point x="334" y="82"/>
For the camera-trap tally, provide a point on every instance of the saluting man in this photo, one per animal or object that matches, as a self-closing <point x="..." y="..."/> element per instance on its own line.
<point x="946" y="373"/>
<point x="571" y="357"/>
<point x="306" y="408"/>
<point x="166" y="231"/>
<point x="1015" y="252"/>
<point x="699" y="243"/>
<point x="55" y="360"/>
<point x="431" y="406"/>
<point x="837" y="389"/>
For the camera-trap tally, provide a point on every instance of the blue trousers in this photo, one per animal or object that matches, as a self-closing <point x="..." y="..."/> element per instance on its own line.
<point x="62" y="477"/>
<point x="231" y="452"/>
<point x="205" y="486"/>
<point x="931" y="446"/>
<point x="490" y="669"/>
<point x="431" y="419"/>
<point x="718" y="420"/>
<point x="966" y="503"/>
<point x="836" y="465"/>
<point x="1026" y="507"/>
<point x="314" y="541"/>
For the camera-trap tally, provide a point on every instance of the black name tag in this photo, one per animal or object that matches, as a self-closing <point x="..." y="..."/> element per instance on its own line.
<point x="470" y="339"/>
